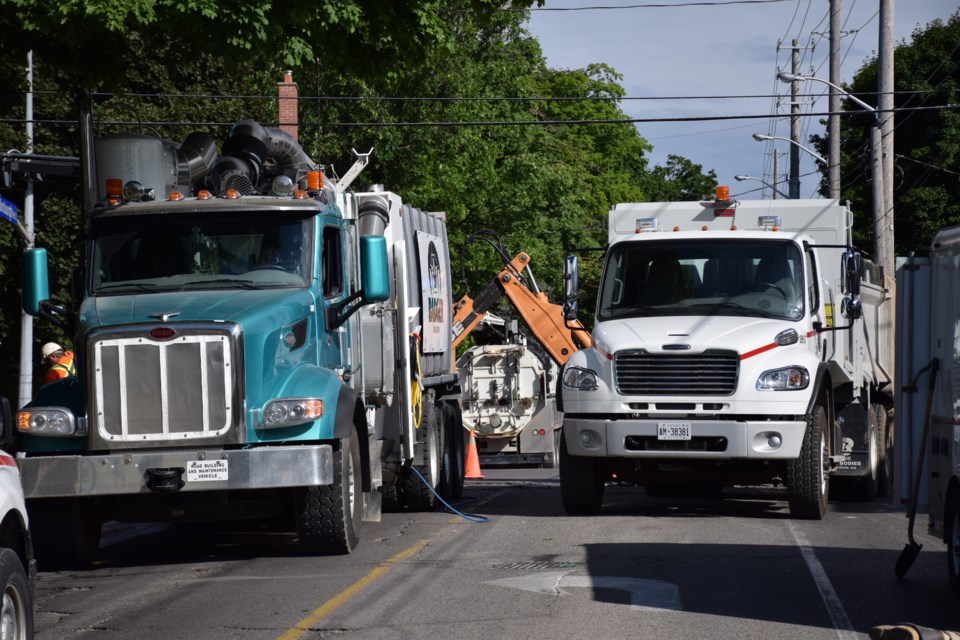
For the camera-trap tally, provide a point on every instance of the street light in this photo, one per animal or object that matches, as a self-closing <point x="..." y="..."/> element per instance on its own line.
<point x="882" y="241"/>
<point x="761" y="137"/>
<point x="742" y="178"/>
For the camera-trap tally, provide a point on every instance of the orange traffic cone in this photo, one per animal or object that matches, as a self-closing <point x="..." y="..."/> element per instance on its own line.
<point x="471" y="466"/>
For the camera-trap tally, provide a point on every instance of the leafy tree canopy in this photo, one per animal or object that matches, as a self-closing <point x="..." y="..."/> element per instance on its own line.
<point x="363" y="36"/>
<point x="544" y="188"/>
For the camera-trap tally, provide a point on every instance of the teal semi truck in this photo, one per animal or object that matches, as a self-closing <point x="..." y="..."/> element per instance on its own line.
<point x="254" y="340"/>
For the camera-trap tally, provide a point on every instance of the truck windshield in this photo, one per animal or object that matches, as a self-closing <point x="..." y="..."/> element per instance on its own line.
<point x="762" y="278"/>
<point x="142" y="253"/>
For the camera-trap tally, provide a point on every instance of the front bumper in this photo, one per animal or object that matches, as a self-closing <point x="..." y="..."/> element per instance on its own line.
<point x="127" y="473"/>
<point x="710" y="439"/>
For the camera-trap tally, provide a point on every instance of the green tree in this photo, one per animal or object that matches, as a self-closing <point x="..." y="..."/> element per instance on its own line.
<point x="366" y="37"/>
<point x="681" y="180"/>
<point x="926" y="142"/>
<point x="544" y="187"/>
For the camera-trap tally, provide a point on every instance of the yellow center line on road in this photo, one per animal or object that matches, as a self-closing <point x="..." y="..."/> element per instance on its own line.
<point x="318" y="614"/>
<point x="327" y="607"/>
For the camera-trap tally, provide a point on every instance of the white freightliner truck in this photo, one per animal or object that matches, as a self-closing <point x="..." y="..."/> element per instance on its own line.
<point x="254" y="340"/>
<point x="735" y="343"/>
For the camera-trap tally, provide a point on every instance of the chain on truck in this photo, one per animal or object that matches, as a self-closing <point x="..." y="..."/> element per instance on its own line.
<point x="254" y="340"/>
<point x="736" y="343"/>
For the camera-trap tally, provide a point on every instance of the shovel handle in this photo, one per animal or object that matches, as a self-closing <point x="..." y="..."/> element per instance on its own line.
<point x="933" y="366"/>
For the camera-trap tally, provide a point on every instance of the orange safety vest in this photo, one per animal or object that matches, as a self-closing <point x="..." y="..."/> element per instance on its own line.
<point x="62" y="369"/>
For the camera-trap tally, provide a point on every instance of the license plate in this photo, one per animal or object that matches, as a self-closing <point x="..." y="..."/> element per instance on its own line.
<point x="207" y="470"/>
<point x="673" y="431"/>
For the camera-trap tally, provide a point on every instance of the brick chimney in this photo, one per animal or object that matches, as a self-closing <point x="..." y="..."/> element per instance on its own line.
<point x="287" y="104"/>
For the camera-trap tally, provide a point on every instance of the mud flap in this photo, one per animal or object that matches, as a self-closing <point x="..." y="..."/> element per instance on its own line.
<point x="852" y="458"/>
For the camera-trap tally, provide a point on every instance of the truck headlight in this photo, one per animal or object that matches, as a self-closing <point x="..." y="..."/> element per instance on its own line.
<point x="51" y="421"/>
<point x="786" y="379"/>
<point x="577" y="378"/>
<point x="291" y="411"/>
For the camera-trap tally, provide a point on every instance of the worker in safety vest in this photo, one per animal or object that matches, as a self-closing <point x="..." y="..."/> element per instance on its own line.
<point x="59" y="362"/>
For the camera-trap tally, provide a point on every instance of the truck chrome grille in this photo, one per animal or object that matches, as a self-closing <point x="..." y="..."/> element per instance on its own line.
<point x="712" y="372"/>
<point x="160" y="391"/>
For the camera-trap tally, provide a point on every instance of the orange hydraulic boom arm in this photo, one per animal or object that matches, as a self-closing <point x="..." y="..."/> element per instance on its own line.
<point x="544" y="318"/>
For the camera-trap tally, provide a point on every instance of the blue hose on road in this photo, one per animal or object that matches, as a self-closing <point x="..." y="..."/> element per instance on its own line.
<point x="465" y="516"/>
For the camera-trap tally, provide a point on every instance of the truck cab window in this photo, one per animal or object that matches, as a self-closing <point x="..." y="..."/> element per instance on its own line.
<point x="332" y="262"/>
<point x="179" y="253"/>
<point x="760" y="278"/>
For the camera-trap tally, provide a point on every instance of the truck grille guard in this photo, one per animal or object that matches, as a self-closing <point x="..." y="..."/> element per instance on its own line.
<point x="713" y="372"/>
<point x="147" y="392"/>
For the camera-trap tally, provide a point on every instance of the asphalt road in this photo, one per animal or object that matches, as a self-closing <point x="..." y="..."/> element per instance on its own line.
<point x="645" y="568"/>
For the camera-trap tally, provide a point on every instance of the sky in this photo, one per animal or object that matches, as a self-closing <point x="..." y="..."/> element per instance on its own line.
<point x="729" y="49"/>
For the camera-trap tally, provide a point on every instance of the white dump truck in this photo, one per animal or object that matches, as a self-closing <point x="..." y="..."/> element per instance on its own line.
<point x="735" y="343"/>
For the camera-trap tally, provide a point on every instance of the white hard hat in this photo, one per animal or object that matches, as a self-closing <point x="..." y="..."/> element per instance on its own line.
<point x="50" y="347"/>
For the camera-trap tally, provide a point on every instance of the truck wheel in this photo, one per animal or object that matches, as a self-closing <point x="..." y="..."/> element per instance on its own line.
<point x="66" y="532"/>
<point x="417" y="494"/>
<point x="865" y="486"/>
<point x="952" y="534"/>
<point x="580" y="485"/>
<point x="16" y="613"/>
<point x="885" y="435"/>
<point x="328" y="517"/>
<point x="808" y="478"/>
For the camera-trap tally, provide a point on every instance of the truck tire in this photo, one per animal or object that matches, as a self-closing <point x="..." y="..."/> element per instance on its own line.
<point x="581" y="487"/>
<point x="16" y="612"/>
<point x="951" y="531"/>
<point x="417" y="490"/>
<point x="885" y="433"/>
<point x="808" y="478"/>
<point x="65" y="531"/>
<point x="328" y="516"/>
<point x="865" y="487"/>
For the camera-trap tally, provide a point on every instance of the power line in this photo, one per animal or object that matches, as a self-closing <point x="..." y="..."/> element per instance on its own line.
<point x="488" y="123"/>
<point x="638" y="6"/>
<point x="199" y="96"/>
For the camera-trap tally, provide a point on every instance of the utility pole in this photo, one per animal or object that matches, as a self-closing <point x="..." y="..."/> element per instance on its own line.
<point x="833" y="123"/>
<point x="885" y="105"/>
<point x="776" y="172"/>
<point x="795" y="122"/>
<point x="26" y="320"/>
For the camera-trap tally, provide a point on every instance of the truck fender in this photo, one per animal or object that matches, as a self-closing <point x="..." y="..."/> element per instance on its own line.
<point x="823" y="393"/>
<point x="350" y="415"/>
<point x="821" y="389"/>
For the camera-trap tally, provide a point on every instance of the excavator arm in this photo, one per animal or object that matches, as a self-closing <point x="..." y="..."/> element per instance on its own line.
<point x="544" y="318"/>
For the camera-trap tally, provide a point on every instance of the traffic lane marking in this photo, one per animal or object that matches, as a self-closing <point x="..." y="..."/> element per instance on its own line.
<point x="321" y="612"/>
<point x="327" y="607"/>
<point x="838" y="615"/>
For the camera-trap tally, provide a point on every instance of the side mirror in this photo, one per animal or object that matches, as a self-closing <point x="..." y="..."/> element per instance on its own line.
<point x="851" y="307"/>
<point x="850" y="270"/>
<point x="571" y="287"/>
<point x="375" y="278"/>
<point x="36" y="284"/>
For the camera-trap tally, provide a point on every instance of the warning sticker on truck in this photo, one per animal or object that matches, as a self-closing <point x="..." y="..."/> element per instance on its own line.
<point x="206" y="470"/>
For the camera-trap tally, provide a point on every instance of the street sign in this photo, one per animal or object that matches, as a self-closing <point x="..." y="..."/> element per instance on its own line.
<point x="8" y="210"/>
